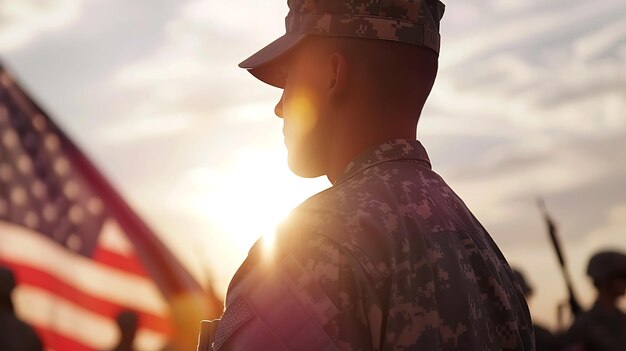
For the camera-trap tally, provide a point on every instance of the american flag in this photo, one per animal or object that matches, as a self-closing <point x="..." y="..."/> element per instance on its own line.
<point x="80" y="254"/>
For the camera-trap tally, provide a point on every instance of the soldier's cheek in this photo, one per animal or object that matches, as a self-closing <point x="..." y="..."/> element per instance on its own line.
<point x="300" y="115"/>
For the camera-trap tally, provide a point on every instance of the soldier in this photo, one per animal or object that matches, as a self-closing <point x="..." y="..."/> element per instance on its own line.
<point x="15" y="335"/>
<point x="127" y="323"/>
<point x="389" y="257"/>
<point x="544" y="339"/>
<point x="603" y="328"/>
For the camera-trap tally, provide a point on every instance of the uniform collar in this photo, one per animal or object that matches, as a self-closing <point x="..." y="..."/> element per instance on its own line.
<point x="393" y="150"/>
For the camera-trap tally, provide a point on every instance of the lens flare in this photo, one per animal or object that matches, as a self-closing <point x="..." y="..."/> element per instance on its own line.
<point x="301" y="114"/>
<point x="268" y="242"/>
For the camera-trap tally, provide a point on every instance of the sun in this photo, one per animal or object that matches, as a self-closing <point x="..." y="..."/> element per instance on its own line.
<point x="250" y="196"/>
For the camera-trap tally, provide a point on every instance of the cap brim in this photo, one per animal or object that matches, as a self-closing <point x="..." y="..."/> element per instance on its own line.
<point x="260" y="64"/>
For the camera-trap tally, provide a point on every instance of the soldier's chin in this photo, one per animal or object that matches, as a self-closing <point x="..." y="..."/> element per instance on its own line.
<point x="304" y="167"/>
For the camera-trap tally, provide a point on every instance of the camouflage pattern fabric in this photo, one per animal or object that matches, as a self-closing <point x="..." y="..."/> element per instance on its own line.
<point x="409" y="21"/>
<point x="391" y="259"/>
<point x="599" y="329"/>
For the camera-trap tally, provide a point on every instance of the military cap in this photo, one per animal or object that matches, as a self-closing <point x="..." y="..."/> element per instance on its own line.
<point x="413" y="22"/>
<point x="7" y="281"/>
<point x="522" y="282"/>
<point x="607" y="265"/>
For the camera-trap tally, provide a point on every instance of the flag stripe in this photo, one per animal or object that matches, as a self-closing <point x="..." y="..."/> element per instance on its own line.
<point x="72" y="321"/>
<point x="128" y="264"/>
<point x="61" y="342"/>
<point x="90" y="277"/>
<point x="41" y="279"/>
<point x="112" y="238"/>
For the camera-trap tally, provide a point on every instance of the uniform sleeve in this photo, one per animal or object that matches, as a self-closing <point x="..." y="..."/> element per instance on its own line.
<point x="308" y="293"/>
<point x="357" y="326"/>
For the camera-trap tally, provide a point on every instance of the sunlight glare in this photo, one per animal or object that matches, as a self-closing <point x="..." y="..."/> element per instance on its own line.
<point x="254" y="193"/>
<point x="302" y="113"/>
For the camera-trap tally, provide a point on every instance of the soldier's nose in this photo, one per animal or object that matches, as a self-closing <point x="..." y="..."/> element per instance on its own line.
<point x="278" y="110"/>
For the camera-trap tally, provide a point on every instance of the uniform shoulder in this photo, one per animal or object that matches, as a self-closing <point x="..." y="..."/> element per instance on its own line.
<point x="333" y="218"/>
<point x="383" y="185"/>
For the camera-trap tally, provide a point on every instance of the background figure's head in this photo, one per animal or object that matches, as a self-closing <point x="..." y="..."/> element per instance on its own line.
<point x="353" y="73"/>
<point x="607" y="269"/>
<point x="128" y="323"/>
<point x="7" y="282"/>
<point x="526" y="289"/>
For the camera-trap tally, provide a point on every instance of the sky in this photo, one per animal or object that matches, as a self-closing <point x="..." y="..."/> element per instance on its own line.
<point x="530" y="101"/>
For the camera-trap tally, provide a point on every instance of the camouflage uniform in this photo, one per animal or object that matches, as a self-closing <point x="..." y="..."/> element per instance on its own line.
<point x="388" y="258"/>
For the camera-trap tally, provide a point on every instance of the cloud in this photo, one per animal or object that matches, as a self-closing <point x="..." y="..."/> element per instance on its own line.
<point x="540" y="23"/>
<point x="529" y="101"/>
<point x="500" y="181"/>
<point x="194" y="71"/>
<point x="543" y="67"/>
<point x="615" y="226"/>
<point x="145" y="127"/>
<point x="599" y="42"/>
<point x="23" y="20"/>
<point x="203" y="44"/>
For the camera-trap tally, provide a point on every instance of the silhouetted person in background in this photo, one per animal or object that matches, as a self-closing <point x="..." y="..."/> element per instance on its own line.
<point x="128" y="323"/>
<point x="15" y="335"/>
<point x="603" y="327"/>
<point x="544" y="339"/>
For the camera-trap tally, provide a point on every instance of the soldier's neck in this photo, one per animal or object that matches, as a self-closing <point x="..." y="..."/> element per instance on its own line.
<point x="354" y="140"/>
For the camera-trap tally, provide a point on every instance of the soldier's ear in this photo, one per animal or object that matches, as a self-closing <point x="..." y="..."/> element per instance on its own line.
<point x="339" y="75"/>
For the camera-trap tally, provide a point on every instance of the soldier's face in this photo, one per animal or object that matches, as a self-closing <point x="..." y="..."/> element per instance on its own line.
<point x="303" y="108"/>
